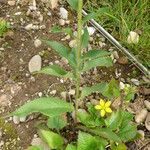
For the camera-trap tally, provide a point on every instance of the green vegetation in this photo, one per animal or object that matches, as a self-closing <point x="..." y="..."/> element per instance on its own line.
<point x="106" y="127"/>
<point x="121" y="17"/>
<point x="4" y="26"/>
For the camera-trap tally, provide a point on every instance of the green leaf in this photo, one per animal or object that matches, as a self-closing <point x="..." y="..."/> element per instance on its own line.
<point x="118" y="147"/>
<point x="56" y="122"/>
<point x="106" y="133"/>
<point x="85" y="38"/>
<point x="86" y="142"/>
<point x="101" y="142"/>
<point x="48" y="106"/>
<point x="114" y="121"/>
<point x="57" y="71"/>
<point x="128" y="132"/>
<point x="94" y="15"/>
<point x="88" y="90"/>
<point x="35" y="148"/>
<point x="89" y="120"/>
<point x="63" y="51"/>
<point x="126" y="117"/>
<point x="102" y="62"/>
<point x="58" y="47"/>
<point x="71" y="147"/>
<point x="57" y="29"/>
<point x="93" y="54"/>
<point x="112" y="90"/>
<point x="73" y="4"/>
<point x="54" y="140"/>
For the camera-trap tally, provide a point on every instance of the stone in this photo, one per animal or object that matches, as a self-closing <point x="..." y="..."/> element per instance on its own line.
<point x="37" y="43"/>
<point x="135" y="82"/>
<point x="72" y="92"/>
<point x="133" y="38"/>
<point x="91" y="30"/>
<point x="53" y="3"/>
<point x="64" y="95"/>
<point x="94" y="102"/>
<point x="147" y="104"/>
<point x="53" y="92"/>
<point x="12" y="3"/>
<point x="37" y="141"/>
<point x="40" y="94"/>
<point x="123" y="60"/>
<point x="147" y="122"/>
<point x="116" y="104"/>
<point x="142" y="133"/>
<point x="35" y="63"/>
<point x="141" y="116"/>
<point x="22" y="119"/>
<point x="73" y="43"/>
<point x="115" y="54"/>
<point x="29" y="27"/>
<point x="63" y="13"/>
<point x="5" y="100"/>
<point x="62" y="22"/>
<point x="15" y="89"/>
<point x="16" y="119"/>
<point x="121" y="85"/>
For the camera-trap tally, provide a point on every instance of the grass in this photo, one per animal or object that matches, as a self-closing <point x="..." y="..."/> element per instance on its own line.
<point x="122" y="17"/>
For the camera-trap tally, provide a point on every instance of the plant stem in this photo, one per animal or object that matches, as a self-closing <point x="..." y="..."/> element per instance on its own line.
<point x="78" y="56"/>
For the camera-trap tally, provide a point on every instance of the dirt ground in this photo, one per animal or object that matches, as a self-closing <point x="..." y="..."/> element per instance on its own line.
<point x="19" y="85"/>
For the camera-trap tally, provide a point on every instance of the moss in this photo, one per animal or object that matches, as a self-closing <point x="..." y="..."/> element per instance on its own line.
<point x="9" y="137"/>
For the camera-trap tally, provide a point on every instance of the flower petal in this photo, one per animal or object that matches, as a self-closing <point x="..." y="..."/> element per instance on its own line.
<point x="107" y="104"/>
<point x="102" y="113"/>
<point x="102" y="102"/>
<point x="108" y="110"/>
<point x="98" y="107"/>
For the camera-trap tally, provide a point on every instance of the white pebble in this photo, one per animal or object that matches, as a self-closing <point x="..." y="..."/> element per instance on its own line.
<point x="37" y="43"/>
<point x="141" y="116"/>
<point x="63" y="13"/>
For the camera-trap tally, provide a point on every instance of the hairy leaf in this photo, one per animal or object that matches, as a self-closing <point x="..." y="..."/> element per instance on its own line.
<point x="56" y="122"/>
<point x="86" y="142"/>
<point x="71" y="147"/>
<point x="93" y="54"/>
<point x="85" y="38"/>
<point x="95" y="88"/>
<point x="73" y="4"/>
<point x="94" y="15"/>
<point x="35" y="148"/>
<point x="57" y="29"/>
<point x="62" y="50"/>
<point x="102" y="62"/>
<point x="106" y="133"/>
<point x="54" y="140"/>
<point x="112" y="90"/>
<point x="114" y="121"/>
<point x="48" y="106"/>
<point x="118" y="147"/>
<point x="55" y="70"/>
<point x="128" y="132"/>
<point x="89" y="120"/>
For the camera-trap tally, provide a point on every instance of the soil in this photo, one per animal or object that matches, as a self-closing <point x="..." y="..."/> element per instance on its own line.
<point x="19" y="48"/>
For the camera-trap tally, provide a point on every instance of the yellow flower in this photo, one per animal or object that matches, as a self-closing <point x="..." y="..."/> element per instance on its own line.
<point x="104" y="107"/>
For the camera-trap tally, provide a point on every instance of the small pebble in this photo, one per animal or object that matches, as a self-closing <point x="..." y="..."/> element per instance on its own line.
<point x="135" y="82"/>
<point x="63" y="13"/>
<point x="37" y="43"/>
<point x="72" y="92"/>
<point x="61" y="22"/>
<point x="141" y="116"/>
<point x="16" y="119"/>
<point x="147" y="122"/>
